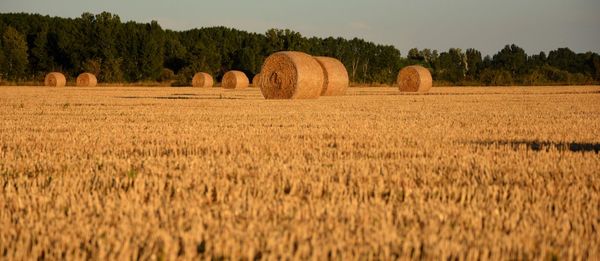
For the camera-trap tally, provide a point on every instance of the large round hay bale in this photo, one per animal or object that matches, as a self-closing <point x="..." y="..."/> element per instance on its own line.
<point x="55" y="79"/>
<point x="87" y="80"/>
<point x="336" y="79"/>
<point x="235" y="80"/>
<point x="203" y="80"/>
<point x="415" y="79"/>
<point x="256" y="80"/>
<point x="291" y="75"/>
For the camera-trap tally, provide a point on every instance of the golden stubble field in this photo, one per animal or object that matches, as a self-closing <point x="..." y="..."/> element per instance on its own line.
<point x="186" y="173"/>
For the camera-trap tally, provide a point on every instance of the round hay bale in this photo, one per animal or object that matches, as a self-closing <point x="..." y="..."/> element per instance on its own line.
<point x="256" y="80"/>
<point x="203" y="80"/>
<point x="336" y="77"/>
<point x="235" y="80"/>
<point x="55" y="79"/>
<point x="415" y="79"/>
<point x="87" y="80"/>
<point x="291" y="75"/>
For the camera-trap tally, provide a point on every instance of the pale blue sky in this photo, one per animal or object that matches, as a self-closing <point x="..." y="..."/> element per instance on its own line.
<point x="487" y="25"/>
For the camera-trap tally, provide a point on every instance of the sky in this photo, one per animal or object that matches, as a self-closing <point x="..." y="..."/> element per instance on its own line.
<point x="486" y="25"/>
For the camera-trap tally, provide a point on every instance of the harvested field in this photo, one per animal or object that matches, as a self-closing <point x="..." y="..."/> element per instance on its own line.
<point x="165" y="173"/>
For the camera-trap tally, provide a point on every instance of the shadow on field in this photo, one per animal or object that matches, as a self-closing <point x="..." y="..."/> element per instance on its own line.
<point x="187" y="97"/>
<point x="543" y="145"/>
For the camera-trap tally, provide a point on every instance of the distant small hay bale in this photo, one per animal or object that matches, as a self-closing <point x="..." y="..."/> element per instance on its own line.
<point x="203" y="80"/>
<point x="55" y="79"/>
<point x="336" y="79"/>
<point x="415" y="79"/>
<point x="86" y="80"/>
<point x="291" y="75"/>
<point x="256" y="80"/>
<point x="235" y="80"/>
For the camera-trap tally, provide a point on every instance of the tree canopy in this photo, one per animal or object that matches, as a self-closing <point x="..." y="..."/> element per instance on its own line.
<point x="116" y="51"/>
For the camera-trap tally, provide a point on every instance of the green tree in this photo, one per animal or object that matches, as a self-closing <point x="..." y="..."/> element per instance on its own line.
<point x="15" y="54"/>
<point x="554" y="74"/>
<point x="496" y="77"/>
<point x="105" y="34"/>
<point x="275" y="41"/>
<point x="175" y="52"/>
<point x="474" y="64"/>
<point x="536" y="77"/>
<point x="111" y="70"/>
<point x="2" y="63"/>
<point x="93" y="66"/>
<point x="151" y="53"/>
<point x="487" y="62"/>
<point x="204" y="56"/>
<point x="511" y="59"/>
<point x="451" y="66"/>
<point x="293" y="41"/>
<point x="245" y="60"/>
<point x="564" y="59"/>
<point x="596" y="62"/>
<point x="40" y="60"/>
<point x="586" y="64"/>
<point x="415" y="55"/>
<point x="105" y="29"/>
<point x="385" y="65"/>
<point x="428" y="56"/>
<point x="139" y="51"/>
<point x="536" y="61"/>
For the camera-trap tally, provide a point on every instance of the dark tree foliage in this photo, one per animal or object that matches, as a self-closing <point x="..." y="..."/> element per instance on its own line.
<point x="14" y="58"/>
<point x="451" y="66"/>
<point x="474" y="64"/>
<point x="116" y="51"/>
<point x="511" y="59"/>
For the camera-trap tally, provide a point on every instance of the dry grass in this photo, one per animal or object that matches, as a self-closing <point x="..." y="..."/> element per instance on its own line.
<point x="166" y="173"/>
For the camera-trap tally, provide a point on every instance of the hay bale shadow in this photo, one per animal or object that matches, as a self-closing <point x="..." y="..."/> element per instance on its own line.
<point x="539" y="146"/>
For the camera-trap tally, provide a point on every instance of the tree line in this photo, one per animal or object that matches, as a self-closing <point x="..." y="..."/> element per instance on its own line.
<point x="32" y="45"/>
